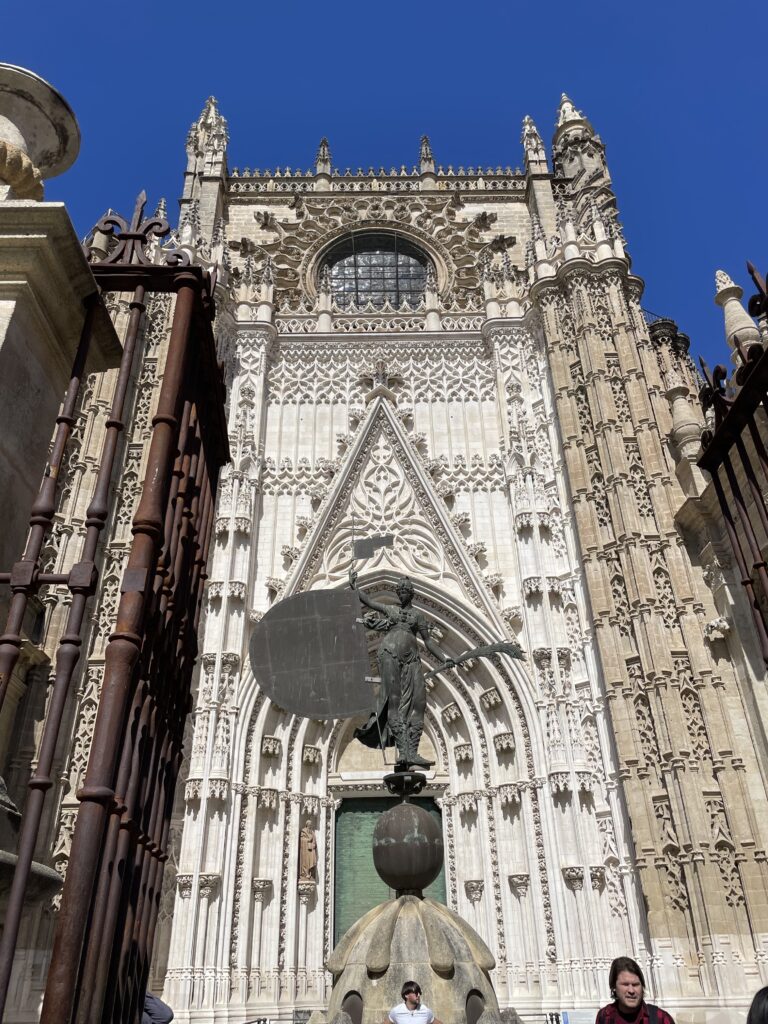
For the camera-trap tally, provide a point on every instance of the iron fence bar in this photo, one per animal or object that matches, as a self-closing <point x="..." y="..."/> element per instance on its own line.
<point x="146" y="889"/>
<point x="177" y="700"/>
<point x="121" y="657"/>
<point x="121" y="983"/>
<point x="757" y="441"/>
<point x="42" y="578"/>
<point x="758" y="562"/>
<point x="151" y="918"/>
<point x="754" y="487"/>
<point x="752" y="394"/>
<point x="82" y="582"/>
<point x="123" y="895"/>
<point x="132" y="970"/>
<point x="746" y="579"/>
<point x="166" y="563"/>
<point x="22" y="577"/>
<point x="94" y="962"/>
<point x="93" y="1010"/>
<point x="146" y="939"/>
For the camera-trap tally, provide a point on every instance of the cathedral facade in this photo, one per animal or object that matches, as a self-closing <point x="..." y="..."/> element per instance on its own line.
<point x="459" y="358"/>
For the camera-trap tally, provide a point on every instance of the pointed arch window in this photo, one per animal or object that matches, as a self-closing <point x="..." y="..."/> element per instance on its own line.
<point x="377" y="269"/>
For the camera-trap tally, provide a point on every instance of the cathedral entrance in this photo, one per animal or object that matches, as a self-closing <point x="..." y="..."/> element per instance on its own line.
<point x="357" y="886"/>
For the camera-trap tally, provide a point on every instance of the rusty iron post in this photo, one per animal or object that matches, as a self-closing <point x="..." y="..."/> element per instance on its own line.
<point x="106" y="926"/>
<point x="121" y="657"/>
<point x="82" y="582"/>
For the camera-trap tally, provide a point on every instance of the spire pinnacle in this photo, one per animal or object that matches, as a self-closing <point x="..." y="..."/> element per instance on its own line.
<point x="535" y="154"/>
<point x="426" y="157"/>
<point x="210" y="129"/>
<point x="323" y="157"/>
<point x="530" y="137"/>
<point x="567" y="111"/>
<point x="207" y="140"/>
<point x="739" y="325"/>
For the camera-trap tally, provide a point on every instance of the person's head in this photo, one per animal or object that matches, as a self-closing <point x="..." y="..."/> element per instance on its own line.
<point x="411" y="994"/>
<point x="758" y="1011"/>
<point x="627" y="983"/>
<point x="404" y="590"/>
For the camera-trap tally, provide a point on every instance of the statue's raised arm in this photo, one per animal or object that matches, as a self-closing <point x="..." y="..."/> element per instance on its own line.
<point x="364" y="597"/>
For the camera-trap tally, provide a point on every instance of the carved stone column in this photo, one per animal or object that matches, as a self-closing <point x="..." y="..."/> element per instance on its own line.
<point x="261" y="888"/>
<point x="573" y="877"/>
<point x="207" y="887"/>
<point x="179" y="986"/>
<point x="306" y="890"/>
<point x="519" y="883"/>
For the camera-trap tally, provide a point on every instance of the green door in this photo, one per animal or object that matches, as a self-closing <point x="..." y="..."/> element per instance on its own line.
<point x="357" y="886"/>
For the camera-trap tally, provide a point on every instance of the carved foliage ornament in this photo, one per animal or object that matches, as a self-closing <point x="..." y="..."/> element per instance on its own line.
<point x="431" y="222"/>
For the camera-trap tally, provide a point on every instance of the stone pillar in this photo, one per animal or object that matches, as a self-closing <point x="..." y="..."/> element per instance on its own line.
<point x="573" y="876"/>
<point x="519" y="883"/>
<point x="261" y="888"/>
<point x="306" y="890"/>
<point x="178" y="987"/>
<point x="208" y="885"/>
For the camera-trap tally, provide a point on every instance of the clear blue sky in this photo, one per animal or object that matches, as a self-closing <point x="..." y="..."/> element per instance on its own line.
<point x="677" y="91"/>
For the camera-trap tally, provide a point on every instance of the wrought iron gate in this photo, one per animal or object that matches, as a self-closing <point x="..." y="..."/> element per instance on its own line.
<point x="105" y="930"/>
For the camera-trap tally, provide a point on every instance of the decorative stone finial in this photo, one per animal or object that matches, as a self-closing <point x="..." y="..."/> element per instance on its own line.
<point x="323" y="157"/>
<point x="39" y="135"/>
<point x="738" y="323"/>
<point x="530" y="137"/>
<point x="207" y="141"/>
<point x="567" y="111"/>
<point x="535" y="154"/>
<point x="209" y="132"/>
<point x="212" y="120"/>
<point x="426" y="157"/>
<point x="722" y="280"/>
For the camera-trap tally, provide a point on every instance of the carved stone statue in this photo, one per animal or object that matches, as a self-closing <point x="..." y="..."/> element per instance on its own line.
<point x="307" y="853"/>
<point x="398" y="719"/>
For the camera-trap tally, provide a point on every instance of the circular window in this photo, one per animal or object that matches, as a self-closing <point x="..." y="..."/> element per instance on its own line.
<point x="376" y="270"/>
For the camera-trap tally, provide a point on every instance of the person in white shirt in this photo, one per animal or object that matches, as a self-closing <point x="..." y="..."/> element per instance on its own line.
<point x="411" y="1010"/>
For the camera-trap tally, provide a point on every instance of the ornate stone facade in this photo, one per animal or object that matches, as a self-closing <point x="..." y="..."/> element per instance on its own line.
<point x="518" y="432"/>
<point x="513" y="433"/>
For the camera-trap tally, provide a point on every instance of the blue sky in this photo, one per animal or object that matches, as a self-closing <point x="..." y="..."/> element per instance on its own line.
<point x="676" y="91"/>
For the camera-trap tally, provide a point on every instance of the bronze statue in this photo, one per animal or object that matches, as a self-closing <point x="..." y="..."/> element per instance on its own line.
<point x="398" y="718"/>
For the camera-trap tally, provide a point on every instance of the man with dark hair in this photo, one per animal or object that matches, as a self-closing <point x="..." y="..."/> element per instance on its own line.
<point x="628" y="993"/>
<point x="411" y="1010"/>
<point x="758" y="1011"/>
